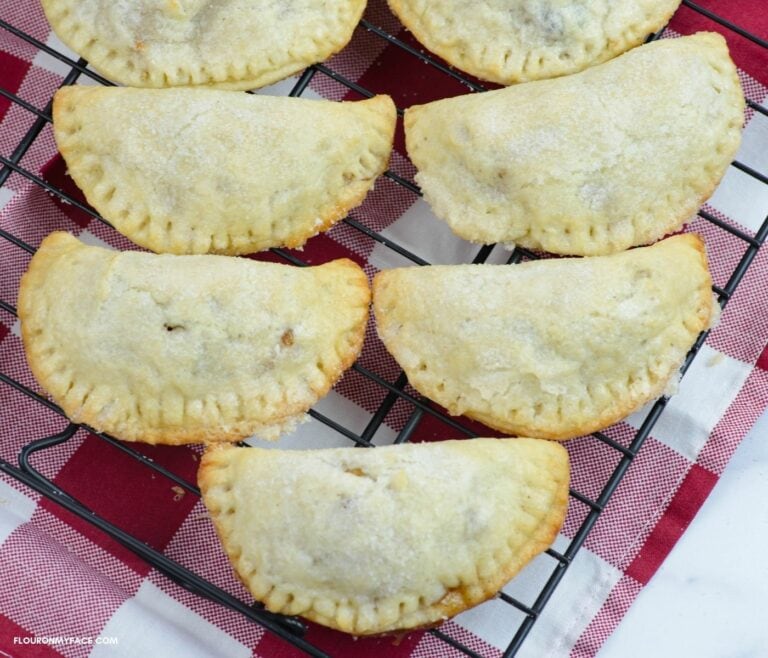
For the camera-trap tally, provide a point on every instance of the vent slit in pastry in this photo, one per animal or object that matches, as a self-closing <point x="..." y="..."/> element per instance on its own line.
<point x="446" y="525"/>
<point x="230" y="44"/>
<point x="553" y="348"/>
<point x="508" y="41"/>
<point x="186" y="349"/>
<point x="593" y="163"/>
<point x="199" y="171"/>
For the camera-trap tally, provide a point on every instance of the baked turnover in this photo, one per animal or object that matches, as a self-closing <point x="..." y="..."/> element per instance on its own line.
<point x="593" y="163"/>
<point x="551" y="349"/>
<point x="200" y="170"/>
<point x="444" y="525"/>
<point x="231" y="44"/>
<point x="187" y="349"/>
<point x="509" y="41"/>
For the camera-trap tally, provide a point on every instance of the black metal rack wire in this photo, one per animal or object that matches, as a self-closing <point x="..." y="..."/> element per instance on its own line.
<point x="291" y="629"/>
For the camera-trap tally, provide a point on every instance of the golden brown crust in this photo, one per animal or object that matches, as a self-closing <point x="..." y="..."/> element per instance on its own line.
<point x="552" y="349"/>
<point x="472" y="514"/>
<point x="231" y="44"/>
<point x="512" y="41"/>
<point x="541" y="165"/>
<point x="163" y="349"/>
<point x="273" y="180"/>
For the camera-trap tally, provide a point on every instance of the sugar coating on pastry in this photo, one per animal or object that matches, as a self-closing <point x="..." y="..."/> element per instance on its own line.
<point x="593" y="163"/>
<point x="441" y="526"/>
<point x="508" y="41"/>
<point x="552" y="349"/>
<point x="230" y="44"/>
<point x="187" y="349"/>
<point x="209" y="171"/>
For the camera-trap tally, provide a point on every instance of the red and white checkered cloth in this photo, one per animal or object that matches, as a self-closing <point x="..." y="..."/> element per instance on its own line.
<point x="59" y="576"/>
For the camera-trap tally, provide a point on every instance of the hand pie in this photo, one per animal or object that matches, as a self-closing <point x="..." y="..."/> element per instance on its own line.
<point x="551" y="349"/>
<point x="442" y="526"/>
<point x="187" y="349"/>
<point x="509" y="41"/>
<point x="591" y="164"/>
<point x="200" y="170"/>
<point x="231" y="44"/>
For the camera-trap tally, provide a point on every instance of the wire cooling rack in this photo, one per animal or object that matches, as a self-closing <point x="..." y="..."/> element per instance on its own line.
<point x="291" y="629"/>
